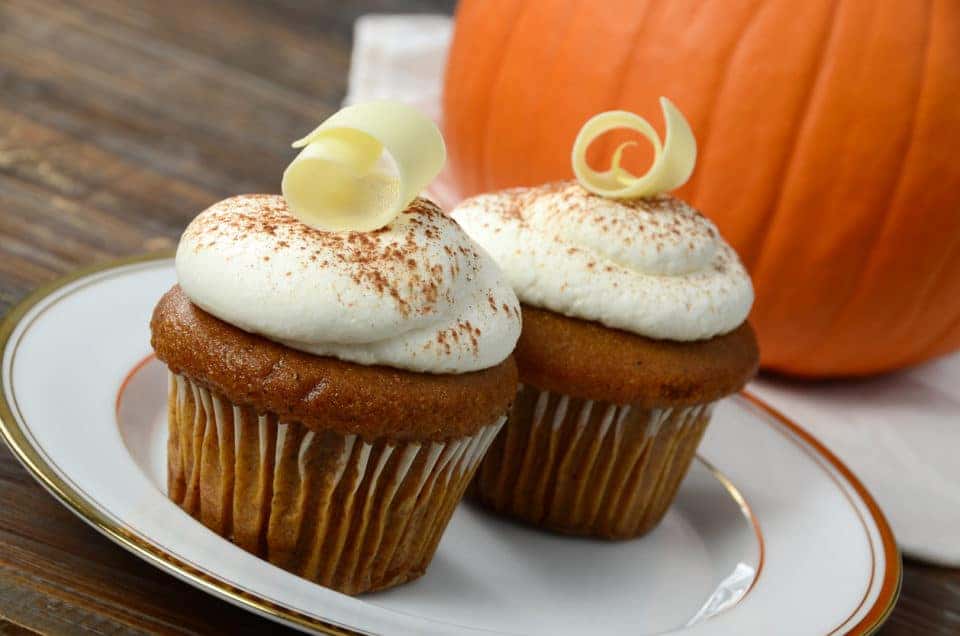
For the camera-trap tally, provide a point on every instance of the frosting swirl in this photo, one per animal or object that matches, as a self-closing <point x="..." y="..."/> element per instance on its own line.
<point x="654" y="266"/>
<point x="417" y="294"/>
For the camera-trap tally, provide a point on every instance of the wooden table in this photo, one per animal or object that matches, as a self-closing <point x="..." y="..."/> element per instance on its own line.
<point x="119" y="121"/>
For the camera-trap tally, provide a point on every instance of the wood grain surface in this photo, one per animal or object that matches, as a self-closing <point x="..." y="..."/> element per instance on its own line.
<point x="119" y="121"/>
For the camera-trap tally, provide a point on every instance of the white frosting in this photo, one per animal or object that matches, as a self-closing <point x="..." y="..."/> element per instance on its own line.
<point x="655" y="267"/>
<point x="417" y="294"/>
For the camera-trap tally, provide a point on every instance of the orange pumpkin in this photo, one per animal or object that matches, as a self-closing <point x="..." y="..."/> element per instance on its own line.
<point x="828" y="133"/>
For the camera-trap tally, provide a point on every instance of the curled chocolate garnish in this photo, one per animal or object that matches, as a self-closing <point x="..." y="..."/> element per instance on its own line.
<point x="672" y="163"/>
<point x="362" y="166"/>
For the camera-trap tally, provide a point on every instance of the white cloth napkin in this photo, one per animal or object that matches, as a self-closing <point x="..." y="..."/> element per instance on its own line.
<point x="899" y="433"/>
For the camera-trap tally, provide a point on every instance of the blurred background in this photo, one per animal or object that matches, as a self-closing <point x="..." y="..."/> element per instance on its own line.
<point x="827" y="134"/>
<point x="119" y="121"/>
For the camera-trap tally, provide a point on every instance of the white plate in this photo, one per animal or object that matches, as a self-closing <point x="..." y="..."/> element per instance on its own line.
<point x="769" y="534"/>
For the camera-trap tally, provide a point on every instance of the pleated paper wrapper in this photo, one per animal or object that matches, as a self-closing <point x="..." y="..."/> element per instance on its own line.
<point x="588" y="468"/>
<point x="332" y="508"/>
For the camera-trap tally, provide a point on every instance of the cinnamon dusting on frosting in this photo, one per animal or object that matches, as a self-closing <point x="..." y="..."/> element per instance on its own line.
<point x="415" y="294"/>
<point x="653" y="266"/>
<point x="389" y="269"/>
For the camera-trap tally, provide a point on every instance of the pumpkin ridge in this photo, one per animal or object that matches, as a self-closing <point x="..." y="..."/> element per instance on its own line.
<point x="840" y="315"/>
<point x="753" y="261"/>
<point x="460" y="133"/>
<point x="949" y="338"/>
<point x="937" y="280"/>
<point x="538" y="118"/>
<point x="790" y="348"/>
<point x="496" y="80"/>
<point x="705" y="127"/>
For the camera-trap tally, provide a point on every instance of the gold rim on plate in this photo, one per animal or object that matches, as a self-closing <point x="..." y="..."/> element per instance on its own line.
<point x="43" y="472"/>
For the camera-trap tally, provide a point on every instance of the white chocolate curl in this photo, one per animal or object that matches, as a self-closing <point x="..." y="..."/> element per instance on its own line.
<point x="672" y="163"/>
<point x="362" y="166"/>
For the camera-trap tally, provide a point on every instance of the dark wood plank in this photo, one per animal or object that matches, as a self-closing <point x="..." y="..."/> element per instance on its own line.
<point x="119" y="120"/>
<point x="203" y="123"/>
<point x="8" y="628"/>
<point x="929" y="602"/>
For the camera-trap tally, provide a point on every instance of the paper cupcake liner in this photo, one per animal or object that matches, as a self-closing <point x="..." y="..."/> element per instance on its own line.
<point x="586" y="467"/>
<point x="337" y="510"/>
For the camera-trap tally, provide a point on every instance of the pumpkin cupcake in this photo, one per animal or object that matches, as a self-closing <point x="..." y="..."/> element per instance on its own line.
<point x="634" y="326"/>
<point x="333" y="391"/>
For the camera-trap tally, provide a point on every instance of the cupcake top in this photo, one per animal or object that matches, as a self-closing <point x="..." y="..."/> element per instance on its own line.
<point x="653" y="266"/>
<point x="416" y="294"/>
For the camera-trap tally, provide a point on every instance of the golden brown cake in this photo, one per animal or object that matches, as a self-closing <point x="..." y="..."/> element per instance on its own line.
<point x="587" y="360"/>
<point x="323" y="392"/>
<point x="578" y="455"/>
<point x="332" y="393"/>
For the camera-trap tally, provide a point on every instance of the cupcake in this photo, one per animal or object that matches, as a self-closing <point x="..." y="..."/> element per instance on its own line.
<point x="634" y="327"/>
<point x="332" y="393"/>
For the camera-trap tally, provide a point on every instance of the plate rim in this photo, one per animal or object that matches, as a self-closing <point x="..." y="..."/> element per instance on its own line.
<point x="31" y="459"/>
